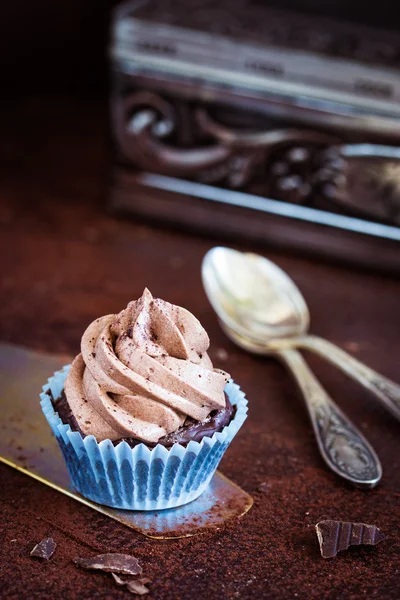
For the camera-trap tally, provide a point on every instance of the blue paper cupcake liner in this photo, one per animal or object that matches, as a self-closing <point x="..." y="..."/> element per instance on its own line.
<point x="140" y="478"/>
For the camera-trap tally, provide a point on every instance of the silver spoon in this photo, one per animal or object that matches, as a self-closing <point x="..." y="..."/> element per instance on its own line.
<point x="342" y="446"/>
<point x="259" y="301"/>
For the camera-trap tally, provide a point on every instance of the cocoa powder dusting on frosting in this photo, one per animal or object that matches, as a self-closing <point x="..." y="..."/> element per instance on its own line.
<point x="143" y="372"/>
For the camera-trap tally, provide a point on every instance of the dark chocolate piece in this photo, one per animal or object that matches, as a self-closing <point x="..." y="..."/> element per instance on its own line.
<point x="44" y="549"/>
<point x="190" y="430"/>
<point x="115" y="563"/>
<point x="135" y="586"/>
<point x="334" y="536"/>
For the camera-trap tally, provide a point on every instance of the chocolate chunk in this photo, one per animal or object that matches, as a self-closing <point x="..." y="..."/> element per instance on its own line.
<point x="117" y="563"/>
<point x="135" y="586"/>
<point x="334" y="536"/>
<point x="44" y="549"/>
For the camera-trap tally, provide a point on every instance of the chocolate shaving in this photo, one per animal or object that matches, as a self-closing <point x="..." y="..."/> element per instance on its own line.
<point x="334" y="536"/>
<point x="135" y="586"/>
<point x="117" y="563"/>
<point x="44" y="549"/>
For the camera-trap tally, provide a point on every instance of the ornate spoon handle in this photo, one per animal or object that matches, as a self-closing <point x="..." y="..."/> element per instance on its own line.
<point x="384" y="389"/>
<point x="342" y="446"/>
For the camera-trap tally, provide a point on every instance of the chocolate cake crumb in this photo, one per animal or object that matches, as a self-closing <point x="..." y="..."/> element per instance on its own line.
<point x="44" y="549"/>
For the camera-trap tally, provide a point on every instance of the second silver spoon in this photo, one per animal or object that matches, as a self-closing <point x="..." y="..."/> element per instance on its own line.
<point x="344" y="449"/>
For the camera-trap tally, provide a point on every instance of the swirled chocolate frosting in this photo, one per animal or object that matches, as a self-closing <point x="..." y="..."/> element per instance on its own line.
<point x="143" y="372"/>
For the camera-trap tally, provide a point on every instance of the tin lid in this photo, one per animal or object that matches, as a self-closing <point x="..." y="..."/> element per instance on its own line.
<point x="342" y="68"/>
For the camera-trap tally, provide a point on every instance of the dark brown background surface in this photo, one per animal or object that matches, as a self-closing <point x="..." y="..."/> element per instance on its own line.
<point x="62" y="45"/>
<point x="65" y="261"/>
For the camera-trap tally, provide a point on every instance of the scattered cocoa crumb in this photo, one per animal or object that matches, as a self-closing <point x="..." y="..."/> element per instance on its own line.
<point x="44" y="549"/>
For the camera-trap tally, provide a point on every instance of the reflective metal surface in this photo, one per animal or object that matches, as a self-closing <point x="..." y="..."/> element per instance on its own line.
<point x="256" y="299"/>
<point x="262" y="310"/>
<point x="342" y="446"/>
<point x="26" y="444"/>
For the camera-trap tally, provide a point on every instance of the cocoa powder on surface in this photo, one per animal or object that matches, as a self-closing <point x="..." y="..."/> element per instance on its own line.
<point x="270" y="553"/>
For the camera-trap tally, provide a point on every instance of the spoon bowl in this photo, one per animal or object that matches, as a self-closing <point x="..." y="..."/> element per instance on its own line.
<point x="253" y="296"/>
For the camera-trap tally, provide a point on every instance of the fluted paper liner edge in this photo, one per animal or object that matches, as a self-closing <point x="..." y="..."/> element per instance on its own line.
<point x="140" y="478"/>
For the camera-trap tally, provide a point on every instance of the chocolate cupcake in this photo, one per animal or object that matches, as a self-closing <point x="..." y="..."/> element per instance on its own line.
<point x="141" y="415"/>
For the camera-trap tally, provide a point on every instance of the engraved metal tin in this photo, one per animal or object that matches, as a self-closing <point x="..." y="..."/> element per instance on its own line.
<point x="226" y="121"/>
